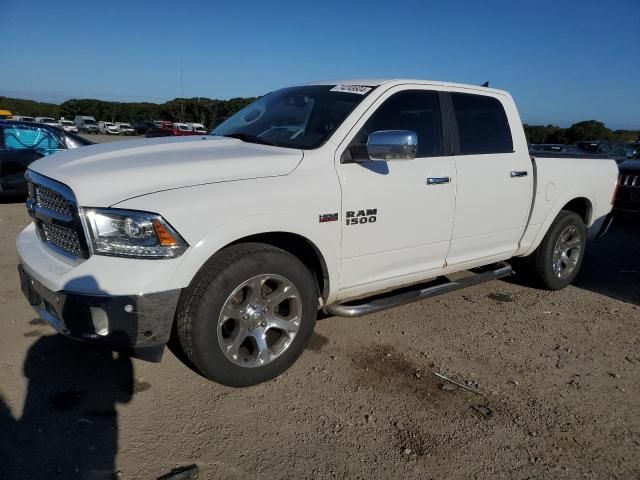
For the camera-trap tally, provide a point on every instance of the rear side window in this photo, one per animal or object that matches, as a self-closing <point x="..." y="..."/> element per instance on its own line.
<point x="482" y="124"/>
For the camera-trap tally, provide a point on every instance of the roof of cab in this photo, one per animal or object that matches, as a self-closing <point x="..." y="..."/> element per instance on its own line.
<point x="376" y="82"/>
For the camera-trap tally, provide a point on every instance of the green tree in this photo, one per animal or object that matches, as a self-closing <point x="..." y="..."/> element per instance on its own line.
<point x="588" y="130"/>
<point x="29" y="108"/>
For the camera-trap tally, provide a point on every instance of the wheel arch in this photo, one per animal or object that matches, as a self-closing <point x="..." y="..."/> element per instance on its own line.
<point x="582" y="206"/>
<point x="315" y="249"/>
<point x="300" y="247"/>
<point x="574" y="202"/>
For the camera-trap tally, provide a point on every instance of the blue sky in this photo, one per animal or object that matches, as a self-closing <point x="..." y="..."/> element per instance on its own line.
<point x="563" y="60"/>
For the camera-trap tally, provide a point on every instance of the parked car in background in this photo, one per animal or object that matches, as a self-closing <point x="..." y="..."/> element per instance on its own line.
<point x="141" y="126"/>
<point x="21" y="143"/>
<point x="5" y="115"/>
<point x="161" y="129"/>
<point x="52" y="122"/>
<point x="23" y="118"/>
<point x="169" y="129"/>
<point x="628" y="195"/>
<point x="184" y="129"/>
<point x="86" y="124"/>
<point x="622" y="153"/>
<point x="67" y="125"/>
<point x="554" y="147"/>
<point x="198" y="128"/>
<point x="636" y="146"/>
<point x="125" y="128"/>
<point x="108" y="128"/>
<point x="595" y="146"/>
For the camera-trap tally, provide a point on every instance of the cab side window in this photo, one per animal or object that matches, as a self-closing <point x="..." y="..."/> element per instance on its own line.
<point x="482" y="124"/>
<point x="416" y="110"/>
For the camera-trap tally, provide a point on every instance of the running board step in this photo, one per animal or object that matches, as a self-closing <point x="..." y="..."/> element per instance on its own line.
<point x="392" y="299"/>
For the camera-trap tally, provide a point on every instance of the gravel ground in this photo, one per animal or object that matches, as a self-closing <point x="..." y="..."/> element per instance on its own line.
<point x="558" y="376"/>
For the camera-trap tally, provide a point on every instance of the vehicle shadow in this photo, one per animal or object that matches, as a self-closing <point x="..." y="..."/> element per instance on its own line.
<point x="69" y="425"/>
<point x="6" y="199"/>
<point x="611" y="265"/>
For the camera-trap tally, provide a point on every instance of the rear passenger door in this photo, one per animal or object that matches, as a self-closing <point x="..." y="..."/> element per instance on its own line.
<point x="494" y="182"/>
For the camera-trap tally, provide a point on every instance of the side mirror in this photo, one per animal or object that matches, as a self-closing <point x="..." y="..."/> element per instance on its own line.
<point x="387" y="145"/>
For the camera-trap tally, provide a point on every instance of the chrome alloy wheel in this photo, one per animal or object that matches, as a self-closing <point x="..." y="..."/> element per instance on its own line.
<point x="566" y="252"/>
<point x="259" y="320"/>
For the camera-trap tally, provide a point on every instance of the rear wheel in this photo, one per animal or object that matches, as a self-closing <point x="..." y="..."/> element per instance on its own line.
<point x="248" y="314"/>
<point x="557" y="260"/>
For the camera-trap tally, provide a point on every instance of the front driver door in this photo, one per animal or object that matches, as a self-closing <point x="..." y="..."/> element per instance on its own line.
<point x="395" y="223"/>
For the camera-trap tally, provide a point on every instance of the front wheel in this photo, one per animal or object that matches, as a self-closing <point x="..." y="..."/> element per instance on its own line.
<point x="557" y="260"/>
<point x="248" y="315"/>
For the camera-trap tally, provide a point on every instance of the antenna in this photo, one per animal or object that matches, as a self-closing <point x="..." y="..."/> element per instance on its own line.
<point x="181" y="94"/>
<point x="485" y="84"/>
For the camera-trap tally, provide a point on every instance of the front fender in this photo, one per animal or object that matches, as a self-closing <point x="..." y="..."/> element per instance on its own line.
<point x="230" y="232"/>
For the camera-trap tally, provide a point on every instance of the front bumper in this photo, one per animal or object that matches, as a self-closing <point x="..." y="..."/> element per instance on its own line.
<point x="622" y="206"/>
<point x="627" y="199"/>
<point x="140" y="324"/>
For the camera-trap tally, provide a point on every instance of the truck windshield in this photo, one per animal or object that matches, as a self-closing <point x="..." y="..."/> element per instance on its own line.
<point x="297" y="117"/>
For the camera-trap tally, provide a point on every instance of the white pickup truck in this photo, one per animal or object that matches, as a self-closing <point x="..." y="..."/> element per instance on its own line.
<point x="314" y="197"/>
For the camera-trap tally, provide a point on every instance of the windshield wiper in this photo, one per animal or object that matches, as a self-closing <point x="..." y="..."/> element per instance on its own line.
<point x="245" y="137"/>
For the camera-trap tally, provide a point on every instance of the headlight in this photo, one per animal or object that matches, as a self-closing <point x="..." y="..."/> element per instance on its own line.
<point x="129" y="233"/>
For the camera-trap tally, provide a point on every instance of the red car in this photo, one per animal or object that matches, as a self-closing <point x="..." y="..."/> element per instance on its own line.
<point x="168" y="129"/>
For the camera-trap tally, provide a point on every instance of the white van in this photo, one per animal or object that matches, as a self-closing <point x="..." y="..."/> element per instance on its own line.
<point x="47" y="121"/>
<point x="197" y="127"/>
<point x="86" y="123"/>
<point x="125" y="128"/>
<point x="183" y="127"/>
<point x="67" y="125"/>
<point x="108" y="128"/>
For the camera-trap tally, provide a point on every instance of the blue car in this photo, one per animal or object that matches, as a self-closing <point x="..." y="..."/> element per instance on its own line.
<point x="24" y="142"/>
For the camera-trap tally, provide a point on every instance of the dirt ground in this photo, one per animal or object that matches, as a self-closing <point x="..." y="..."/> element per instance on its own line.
<point x="558" y="375"/>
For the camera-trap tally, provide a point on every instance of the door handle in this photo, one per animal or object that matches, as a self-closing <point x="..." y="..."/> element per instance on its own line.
<point x="518" y="173"/>
<point x="438" y="180"/>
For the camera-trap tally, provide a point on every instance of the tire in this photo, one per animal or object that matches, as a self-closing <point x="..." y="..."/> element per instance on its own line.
<point x="231" y="299"/>
<point x="546" y="267"/>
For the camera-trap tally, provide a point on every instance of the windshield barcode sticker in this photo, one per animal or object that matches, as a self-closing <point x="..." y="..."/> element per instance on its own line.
<point x="357" y="89"/>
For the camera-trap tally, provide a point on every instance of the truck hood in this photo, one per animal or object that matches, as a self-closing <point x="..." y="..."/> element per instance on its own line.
<point x="104" y="174"/>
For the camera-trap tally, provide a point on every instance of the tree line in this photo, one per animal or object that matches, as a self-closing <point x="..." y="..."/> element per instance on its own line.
<point x="210" y="111"/>
<point x="586" y="130"/>
<point x="199" y="109"/>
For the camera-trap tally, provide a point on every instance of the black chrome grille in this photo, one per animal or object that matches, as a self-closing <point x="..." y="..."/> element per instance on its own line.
<point x="63" y="238"/>
<point x="55" y="213"/>
<point x="630" y="180"/>
<point x="52" y="200"/>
